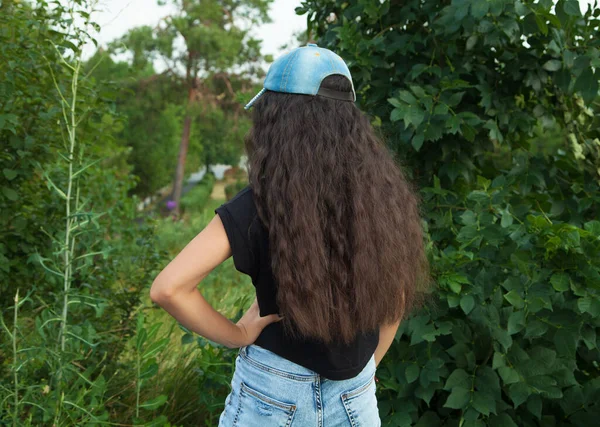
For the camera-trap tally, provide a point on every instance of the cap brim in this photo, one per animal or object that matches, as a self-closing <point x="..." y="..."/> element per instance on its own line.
<point x="253" y="100"/>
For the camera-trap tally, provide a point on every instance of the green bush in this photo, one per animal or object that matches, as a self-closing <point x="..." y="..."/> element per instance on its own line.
<point x="234" y="188"/>
<point x="73" y="247"/>
<point x="194" y="201"/>
<point x="493" y="108"/>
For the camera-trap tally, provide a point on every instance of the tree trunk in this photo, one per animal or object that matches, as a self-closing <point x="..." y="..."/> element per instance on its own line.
<point x="183" y="149"/>
<point x="208" y="164"/>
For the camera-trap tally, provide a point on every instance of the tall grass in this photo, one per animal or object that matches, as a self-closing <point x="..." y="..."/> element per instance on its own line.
<point x="193" y="373"/>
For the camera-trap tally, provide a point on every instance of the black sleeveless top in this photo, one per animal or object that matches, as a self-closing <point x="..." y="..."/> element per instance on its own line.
<point x="249" y="243"/>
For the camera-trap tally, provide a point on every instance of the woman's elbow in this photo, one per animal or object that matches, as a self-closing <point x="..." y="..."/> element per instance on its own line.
<point x="159" y="291"/>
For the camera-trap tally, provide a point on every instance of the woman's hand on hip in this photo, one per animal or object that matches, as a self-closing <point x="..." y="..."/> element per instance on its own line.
<point x="251" y="324"/>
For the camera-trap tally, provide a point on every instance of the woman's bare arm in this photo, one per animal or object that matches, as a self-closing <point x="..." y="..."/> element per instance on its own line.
<point x="386" y="337"/>
<point x="176" y="290"/>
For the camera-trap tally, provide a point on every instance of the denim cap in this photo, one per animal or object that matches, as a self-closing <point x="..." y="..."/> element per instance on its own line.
<point x="302" y="70"/>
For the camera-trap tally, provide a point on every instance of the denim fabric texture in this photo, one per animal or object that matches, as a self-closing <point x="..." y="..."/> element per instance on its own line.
<point x="270" y="391"/>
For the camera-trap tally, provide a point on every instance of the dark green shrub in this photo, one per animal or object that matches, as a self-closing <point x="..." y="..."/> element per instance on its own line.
<point x="493" y="107"/>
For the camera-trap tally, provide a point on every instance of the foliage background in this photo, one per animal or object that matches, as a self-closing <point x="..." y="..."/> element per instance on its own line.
<point x="493" y="106"/>
<point x="127" y="118"/>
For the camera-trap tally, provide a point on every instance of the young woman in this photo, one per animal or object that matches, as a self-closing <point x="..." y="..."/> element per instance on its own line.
<point x="329" y="231"/>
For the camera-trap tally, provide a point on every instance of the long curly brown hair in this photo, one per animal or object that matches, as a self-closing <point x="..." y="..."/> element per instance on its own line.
<point x="345" y="234"/>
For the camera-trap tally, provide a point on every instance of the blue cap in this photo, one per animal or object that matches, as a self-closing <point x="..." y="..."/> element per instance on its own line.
<point x="302" y="70"/>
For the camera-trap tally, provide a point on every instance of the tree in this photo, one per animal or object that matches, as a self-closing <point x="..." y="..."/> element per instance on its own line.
<point x="494" y="108"/>
<point x="150" y="106"/>
<point x="213" y="36"/>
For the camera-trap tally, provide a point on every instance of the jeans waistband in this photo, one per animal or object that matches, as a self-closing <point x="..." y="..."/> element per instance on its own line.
<point x="267" y="360"/>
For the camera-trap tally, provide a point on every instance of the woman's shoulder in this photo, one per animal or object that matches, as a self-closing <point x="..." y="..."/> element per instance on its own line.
<point x="243" y="198"/>
<point x="241" y="207"/>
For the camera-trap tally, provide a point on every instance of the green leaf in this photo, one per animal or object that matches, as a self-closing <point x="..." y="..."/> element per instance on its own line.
<point x="412" y="372"/>
<point x="455" y="281"/>
<point x="139" y="328"/>
<point x="187" y="339"/>
<point x="469" y="218"/>
<point x="142" y="335"/>
<point x="153" y="330"/>
<point x="467" y="303"/>
<point x="587" y="85"/>
<point x="566" y="342"/>
<point x="508" y="375"/>
<point x="498" y="361"/>
<point x="458" y="378"/>
<point x="516" y="322"/>
<point x="414" y="115"/>
<point x="155" y="347"/>
<point x="534" y="405"/>
<point x="453" y="124"/>
<point x="571" y="7"/>
<point x="149" y="369"/>
<point x="433" y="132"/>
<point x="395" y="102"/>
<point x="552" y="65"/>
<point x="535" y="329"/>
<point x="417" y="141"/>
<point x="10" y="194"/>
<point x="468" y="234"/>
<point x="418" y="91"/>
<point x="468" y="132"/>
<point x="518" y="392"/>
<point x="407" y="97"/>
<point x="458" y="399"/>
<point x="502" y="420"/>
<point x="483" y="182"/>
<point x="440" y="110"/>
<point x="397" y="114"/>
<point x="588" y="336"/>
<point x="9" y="174"/>
<point x="484" y="403"/>
<point x="472" y="41"/>
<point x="453" y="300"/>
<point x="543" y="357"/>
<point x="425" y="394"/>
<point x="155" y="403"/>
<point x="8" y="121"/>
<point x="507" y="219"/>
<point x="455" y="99"/>
<point x="514" y="299"/>
<point x="541" y="23"/>
<point x="593" y="227"/>
<point x="479" y="9"/>
<point x="590" y="305"/>
<point x="560" y="282"/>
<point x="521" y="9"/>
<point x="421" y="329"/>
<point x="479" y="196"/>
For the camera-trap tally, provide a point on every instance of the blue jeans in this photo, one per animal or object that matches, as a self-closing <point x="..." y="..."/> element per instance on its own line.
<point x="270" y="391"/>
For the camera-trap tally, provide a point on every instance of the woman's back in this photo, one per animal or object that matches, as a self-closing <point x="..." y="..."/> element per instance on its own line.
<point x="345" y="237"/>
<point x="251" y="254"/>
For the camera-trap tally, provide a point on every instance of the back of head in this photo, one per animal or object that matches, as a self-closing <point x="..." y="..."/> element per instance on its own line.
<point x="345" y="236"/>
